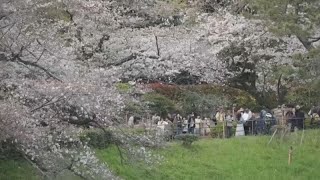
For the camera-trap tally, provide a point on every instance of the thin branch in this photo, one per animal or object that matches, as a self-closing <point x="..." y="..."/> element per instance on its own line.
<point x="6" y="26"/>
<point x="17" y="58"/>
<point x="7" y="30"/>
<point x="124" y="60"/>
<point x="38" y="58"/>
<point x="41" y="55"/>
<point x="2" y="16"/>
<point x="39" y="67"/>
<point x="32" y="54"/>
<point x="117" y="145"/>
<point x="14" y="40"/>
<point x="51" y="101"/>
<point x="157" y="45"/>
<point x="314" y="39"/>
<point x="38" y="41"/>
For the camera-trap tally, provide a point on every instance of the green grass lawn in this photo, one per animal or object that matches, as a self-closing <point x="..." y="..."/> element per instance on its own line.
<point x="237" y="158"/>
<point x="17" y="170"/>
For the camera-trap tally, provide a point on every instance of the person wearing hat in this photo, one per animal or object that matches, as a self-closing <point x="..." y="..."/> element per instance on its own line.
<point x="299" y="118"/>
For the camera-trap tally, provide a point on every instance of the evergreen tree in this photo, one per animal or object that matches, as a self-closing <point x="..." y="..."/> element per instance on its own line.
<point x="298" y="18"/>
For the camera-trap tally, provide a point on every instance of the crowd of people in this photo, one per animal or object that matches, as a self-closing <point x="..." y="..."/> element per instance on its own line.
<point x="254" y="123"/>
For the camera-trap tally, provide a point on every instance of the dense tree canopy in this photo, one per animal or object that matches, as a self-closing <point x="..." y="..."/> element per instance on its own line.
<point x="299" y="18"/>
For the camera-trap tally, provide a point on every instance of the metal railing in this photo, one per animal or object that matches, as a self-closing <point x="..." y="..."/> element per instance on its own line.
<point x="251" y="127"/>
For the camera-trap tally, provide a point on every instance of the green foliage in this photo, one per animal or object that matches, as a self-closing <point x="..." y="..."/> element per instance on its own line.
<point x="187" y="139"/>
<point x="304" y="96"/>
<point x="204" y="98"/>
<point x="123" y="87"/>
<point x="202" y="104"/>
<point x="230" y="95"/>
<point x="289" y="17"/>
<point x="98" y="139"/>
<point x="243" y="158"/>
<point x="159" y="104"/>
<point x="298" y="18"/>
<point x="307" y="65"/>
<point x="244" y="69"/>
<point x="217" y="131"/>
<point x="302" y="78"/>
<point x="170" y="91"/>
<point x="8" y="150"/>
<point x="54" y="12"/>
<point x="214" y="5"/>
<point x="12" y="164"/>
<point x="16" y="170"/>
<point x="268" y="99"/>
<point x="135" y="109"/>
<point x="179" y="4"/>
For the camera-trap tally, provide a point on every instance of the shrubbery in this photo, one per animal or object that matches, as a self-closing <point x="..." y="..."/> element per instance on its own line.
<point x="187" y="139"/>
<point x="217" y="131"/>
<point x="8" y="150"/>
<point x="98" y="139"/>
<point x="202" y="99"/>
<point x="159" y="104"/>
<point x="123" y="87"/>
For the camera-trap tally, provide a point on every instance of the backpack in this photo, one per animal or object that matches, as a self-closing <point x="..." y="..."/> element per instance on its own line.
<point x="268" y="117"/>
<point x="316" y="117"/>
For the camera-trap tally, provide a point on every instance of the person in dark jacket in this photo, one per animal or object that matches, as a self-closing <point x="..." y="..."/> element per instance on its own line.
<point x="191" y="123"/>
<point x="299" y="118"/>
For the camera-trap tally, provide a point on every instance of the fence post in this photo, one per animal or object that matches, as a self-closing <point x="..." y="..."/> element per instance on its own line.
<point x="290" y="155"/>
<point x="223" y="127"/>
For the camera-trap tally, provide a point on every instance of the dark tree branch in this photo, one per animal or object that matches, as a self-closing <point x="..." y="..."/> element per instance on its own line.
<point x="116" y="143"/>
<point x="38" y="58"/>
<point x="17" y="58"/>
<point x="278" y="89"/>
<point x="39" y="67"/>
<point x="124" y="60"/>
<point x="314" y="39"/>
<point x="38" y="41"/>
<point x="7" y="30"/>
<point x="104" y="38"/>
<point x="51" y="101"/>
<point x="2" y="16"/>
<point x="157" y="45"/>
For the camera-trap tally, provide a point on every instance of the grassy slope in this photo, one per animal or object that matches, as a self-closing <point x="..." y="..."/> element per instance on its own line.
<point x="17" y="170"/>
<point x="22" y="170"/>
<point x="237" y="158"/>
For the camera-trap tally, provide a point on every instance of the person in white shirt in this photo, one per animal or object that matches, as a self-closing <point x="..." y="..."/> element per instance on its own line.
<point x="245" y="116"/>
<point x="250" y="114"/>
<point x="185" y="125"/>
<point x="206" y="126"/>
<point x="161" y="127"/>
<point x="197" y="125"/>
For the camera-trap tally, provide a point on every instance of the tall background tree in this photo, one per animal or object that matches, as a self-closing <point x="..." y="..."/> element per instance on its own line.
<point x="298" y="19"/>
